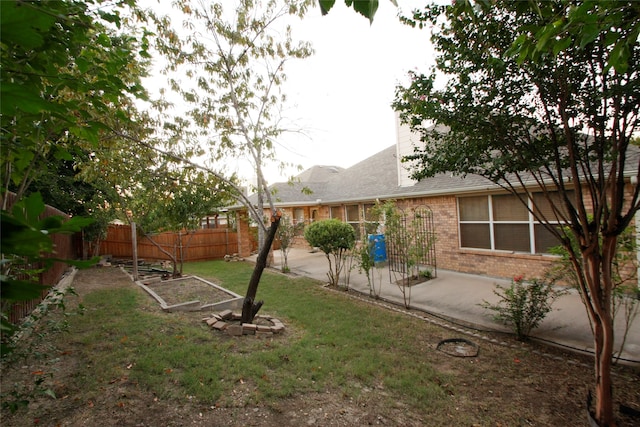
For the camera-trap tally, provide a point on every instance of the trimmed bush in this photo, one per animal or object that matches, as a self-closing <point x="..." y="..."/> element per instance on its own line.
<point x="335" y="238"/>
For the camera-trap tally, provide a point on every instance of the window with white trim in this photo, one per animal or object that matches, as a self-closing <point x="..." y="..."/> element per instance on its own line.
<point x="360" y="217"/>
<point x="502" y="223"/>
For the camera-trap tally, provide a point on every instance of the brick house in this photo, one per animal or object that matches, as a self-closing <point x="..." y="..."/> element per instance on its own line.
<point x="479" y="227"/>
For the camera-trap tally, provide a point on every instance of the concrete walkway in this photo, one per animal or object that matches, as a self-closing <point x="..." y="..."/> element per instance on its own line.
<point x="456" y="297"/>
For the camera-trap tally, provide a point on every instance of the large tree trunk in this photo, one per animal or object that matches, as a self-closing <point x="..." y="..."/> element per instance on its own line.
<point x="249" y="307"/>
<point x="599" y="281"/>
<point x="603" y="387"/>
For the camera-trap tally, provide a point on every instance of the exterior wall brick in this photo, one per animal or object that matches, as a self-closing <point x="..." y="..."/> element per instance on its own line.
<point x="244" y="237"/>
<point x="449" y="255"/>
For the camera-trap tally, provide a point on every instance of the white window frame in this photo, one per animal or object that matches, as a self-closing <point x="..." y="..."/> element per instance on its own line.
<point x="531" y="222"/>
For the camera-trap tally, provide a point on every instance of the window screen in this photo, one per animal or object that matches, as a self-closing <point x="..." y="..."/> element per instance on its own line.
<point x="509" y="208"/>
<point x="474" y="208"/>
<point x="512" y="237"/>
<point x="543" y="207"/>
<point x="545" y="240"/>
<point x="502" y="222"/>
<point x="353" y="214"/>
<point x="337" y="212"/>
<point x="475" y="236"/>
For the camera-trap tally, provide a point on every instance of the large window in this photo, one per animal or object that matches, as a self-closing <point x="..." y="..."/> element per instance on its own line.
<point x="503" y="223"/>
<point x="298" y="216"/>
<point x="353" y="218"/>
<point x="360" y="217"/>
<point x="337" y="212"/>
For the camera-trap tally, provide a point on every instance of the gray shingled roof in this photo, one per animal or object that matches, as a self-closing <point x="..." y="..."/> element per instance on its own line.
<point x="372" y="178"/>
<point x="377" y="178"/>
<point x="319" y="173"/>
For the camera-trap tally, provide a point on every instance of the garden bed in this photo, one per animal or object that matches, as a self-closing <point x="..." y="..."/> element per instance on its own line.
<point x="191" y="293"/>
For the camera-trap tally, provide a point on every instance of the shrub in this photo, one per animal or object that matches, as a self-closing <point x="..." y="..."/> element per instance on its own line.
<point x="365" y="263"/>
<point x="522" y="305"/>
<point x="335" y="238"/>
<point x="287" y="231"/>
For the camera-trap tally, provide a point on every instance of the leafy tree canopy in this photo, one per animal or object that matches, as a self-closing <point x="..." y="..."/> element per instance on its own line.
<point x="227" y="66"/>
<point x="68" y="75"/>
<point x="614" y="24"/>
<point x="176" y="200"/>
<point x="366" y="8"/>
<point x="499" y="114"/>
<point x="544" y="97"/>
<point x="65" y="69"/>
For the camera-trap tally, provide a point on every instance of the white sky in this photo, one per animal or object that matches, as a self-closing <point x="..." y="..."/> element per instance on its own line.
<point x="342" y="95"/>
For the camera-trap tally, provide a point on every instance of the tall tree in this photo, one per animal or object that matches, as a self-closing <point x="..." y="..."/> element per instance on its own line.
<point x="227" y="66"/>
<point x="70" y="72"/>
<point x="538" y="98"/>
<point x="64" y="71"/>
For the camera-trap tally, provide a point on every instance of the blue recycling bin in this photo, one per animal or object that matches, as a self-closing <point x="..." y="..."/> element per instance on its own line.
<point x="378" y="247"/>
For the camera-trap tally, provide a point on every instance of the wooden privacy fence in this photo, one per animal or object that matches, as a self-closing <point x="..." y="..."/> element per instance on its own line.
<point x="66" y="246"/>
<point x="201" y="245"/>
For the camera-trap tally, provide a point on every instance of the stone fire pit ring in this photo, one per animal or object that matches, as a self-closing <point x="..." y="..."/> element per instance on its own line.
<point x="230" y="322"/>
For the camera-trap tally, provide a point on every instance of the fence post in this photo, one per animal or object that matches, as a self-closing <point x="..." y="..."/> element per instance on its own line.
<point x="134" y="248"/>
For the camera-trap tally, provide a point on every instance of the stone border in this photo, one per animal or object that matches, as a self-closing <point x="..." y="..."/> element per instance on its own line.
<point x="227" y="321"/>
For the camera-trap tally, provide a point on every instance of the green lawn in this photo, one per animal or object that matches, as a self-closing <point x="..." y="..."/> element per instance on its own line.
<point x="331" y="342"/>
<point x="357" y="352"/>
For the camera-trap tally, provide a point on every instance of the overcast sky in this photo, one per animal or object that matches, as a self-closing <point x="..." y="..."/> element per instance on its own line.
<point x="341" y="95"/>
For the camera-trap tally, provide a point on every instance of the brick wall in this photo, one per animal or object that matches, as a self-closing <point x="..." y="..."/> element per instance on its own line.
<point x="244" y="235"/>
<point x="448" y="253"/>
<point x="451" y="257"/>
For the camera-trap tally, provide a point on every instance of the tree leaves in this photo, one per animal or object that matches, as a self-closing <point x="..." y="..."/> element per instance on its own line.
<point x="18" y="24"/>
<point x="541" y="97"/>
<point x="61" y="69"/>
<point x="326" y="5"/>
<point x="578" y="24"/>
<point x="230" y="81"/>
<point x="67" y="81"/>
<point x="366" y="8"/>
<point x="25" y="234"/>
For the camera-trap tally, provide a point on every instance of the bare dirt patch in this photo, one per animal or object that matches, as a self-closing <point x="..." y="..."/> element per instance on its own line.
<point x="182" y="290"/>
<point x="481" y="388"/>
